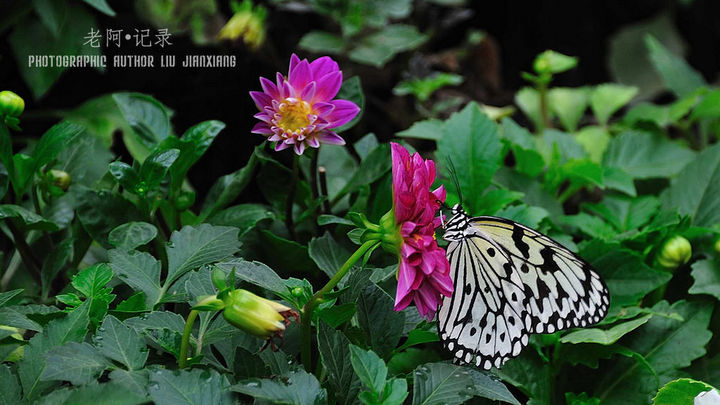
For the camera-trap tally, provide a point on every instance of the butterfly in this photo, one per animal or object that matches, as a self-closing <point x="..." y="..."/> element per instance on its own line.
<point x="510" y="282"/>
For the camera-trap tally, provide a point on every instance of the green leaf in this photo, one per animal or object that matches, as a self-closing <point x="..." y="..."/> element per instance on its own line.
<point x="553" y="62"/>
<point x="595" y="141"/>
<point x="327" y="254"/>
<point x="191" y="387"/>
<point x="427" y="129"/>
<point x="101" y="6"/>
<point x="148" y="118"/>
<point x="243" y="216"/>
<point x="471" y="140"/>
<point x="706" y="274"/>
<point x="627" y="276"/>
<point x="126" y="176"/>
<point x="395" y="391"/>
<point x="530" y="375"/>
<point x="678" y="76"/>
<point x="528" y="99"/>
<point x="140" y="271"/>
<point x="52" y="14"/>
<point x="629" y="382"/>
<point x="338" y="314"/>
<point x="29" y="218"/>
<point x="372" y="168"/>
<point x="227" y="188"/>
<point x="626" y="213"/>
<point x="72" y="328"/>
<point x="616" y="179"/>
<point x="31" y="37"/>
<point x="9" y="295"/>
<point x="54" y="263"/>
<point x="693" y="192"/>
<point x="101" y="212"/>
<point x="78" y="363"/>
<point x="680" y="392"/>
<point x="92" y="280"/>
<point x="322" y="42"/>
<point x="10" y="392"/>
<point x="192" y="247"/>
<point x="334" y="350"/>
<point x="569" y="105"/>
<point x="258" y="274"/>
<point x="192" y="146"/>
<point x="607" y="98"/>
<point x="155" y="168"/>
<point x="645" y="155"/>
<point x="11" y="316"/>
<point x="524" y="214"/>
<point x="121" y="343"/>
<point x="301" y="389"/>
<point x="380" y="47"/>
<point x="418" y="336"/>
<point x="382" y="325"/>
<point x="709" y="106"/>
<point x="134" y="382"/>
<point x="443" y="383"/>
<point x="423" y="88"/>
<point x="370" y="368"/>
<point x="351" y="90"/>
<point x="132" y="234"/>
<point x="604" y="336"/>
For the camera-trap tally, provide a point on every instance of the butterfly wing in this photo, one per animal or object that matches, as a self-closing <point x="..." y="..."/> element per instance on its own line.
<point x="482" y="322"/>
<point x="511" y="281"/>
<point x="563" y="291"/>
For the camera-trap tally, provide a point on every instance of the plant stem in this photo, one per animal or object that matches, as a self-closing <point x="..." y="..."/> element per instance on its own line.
<point x="544" y="114"/>
<point x="291" y="197"/>
<point x="307" y="310"/>
<point x="314" y="174"/>
<point x="185" y="344"/>
<point x="24" y="250"/>
<point x="322" y="173"/>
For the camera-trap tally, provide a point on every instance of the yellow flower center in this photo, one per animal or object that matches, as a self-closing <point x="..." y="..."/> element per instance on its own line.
<point x="294" y="115"/>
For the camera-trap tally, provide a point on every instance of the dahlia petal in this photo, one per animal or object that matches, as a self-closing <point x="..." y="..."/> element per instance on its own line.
<point x="342" y="114"/>
<point x="263" y="116"/>
<point x="322" y="109"/>
<point x="309" y="92"/>
<point x="261" y="99"/>
<point x="269" y="88"/>
<point x="313" y="142"/>
<point x="322" y="66"/>
<point x="328" y="86"/>
<point x="294" y="61"/>
<point x="275" y="138"/>
<point x="299" y="148"/>
<point x="403" y="302"/>
<point x="281" y="146"/>
<point x="300" y="76"/>
<point x="331" y="138"/>
<point x="261" y="128"/>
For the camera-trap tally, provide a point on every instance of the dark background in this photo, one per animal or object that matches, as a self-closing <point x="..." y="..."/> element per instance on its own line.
<point x="518" y="29"/>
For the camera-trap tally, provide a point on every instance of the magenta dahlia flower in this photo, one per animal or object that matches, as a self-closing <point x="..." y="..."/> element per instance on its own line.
<point x="299" y="110"/>
<point x="424" y="271"/>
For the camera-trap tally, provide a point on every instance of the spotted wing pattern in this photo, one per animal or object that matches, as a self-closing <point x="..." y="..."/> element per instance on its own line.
<point x="511" y="281"/>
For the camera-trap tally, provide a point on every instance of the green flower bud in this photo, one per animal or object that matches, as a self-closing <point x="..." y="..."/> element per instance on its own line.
<point x="675" y="252"/>
<point x="256" y="315"/>
<point x="59" y="179"/>
<point x="717" y="245"/>
<point x="185" y="200"/>
<point x="11" y="105"/>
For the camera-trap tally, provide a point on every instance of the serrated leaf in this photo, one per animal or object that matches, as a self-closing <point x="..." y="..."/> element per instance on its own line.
<point x="78" y="363"/>
<point x="682" y="391"/>
<point x="706" y="274"/>
<point x="121" y="343"/>
<point x="92" y="280"/>
<point x="382" y="325"/>
<point x="257" y="273"/>
<point x="443" y="383"/>
<point x="132" y="381"/>
<point x="132" y="234"/>
<point x="139" y="270"/>
<point x="301" y="389"/>
<point x="243" y="216"/>
<point x="327" y="254"/>
<point x="191" y="387"/>
<point x="334" y="350"/>
<point x="604" y="336"/>
<point x="471" y="140"/>
<point x="693" y="192"/>
<point x="192" y="247"/>
<point x="370" y="368"/>
<point x="100" y="212"/>
<point x="645" y="155"/>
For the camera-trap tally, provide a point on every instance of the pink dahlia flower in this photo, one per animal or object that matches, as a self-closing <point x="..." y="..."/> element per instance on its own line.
<point x="299" y="110"/>
<point x="424" y="271"/>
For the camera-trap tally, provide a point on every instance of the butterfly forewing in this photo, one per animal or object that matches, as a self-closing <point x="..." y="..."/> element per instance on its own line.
<point x="511" y="281"/>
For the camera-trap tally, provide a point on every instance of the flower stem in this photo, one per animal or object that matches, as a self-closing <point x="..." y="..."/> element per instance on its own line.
<point x="312" y="303"/>
<point x="291" y="197"/>
<point x="185" y="344"/>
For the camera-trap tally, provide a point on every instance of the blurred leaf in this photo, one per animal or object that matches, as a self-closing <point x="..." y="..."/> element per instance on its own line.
<point x="604" y="336"/>
<point x="297" y="388"/>
<point x="423" y="88"/>
<point x="351" y="90"/>
<point x="192" y="146"/>
<point x="443" y="383"/>
<point x="380" y="47"/>
<point x="530" y="375"/>
<point x="101" y="212"/>
<point x="334" y="350"/>
<point x="678" y="76"/>
<point x="709" y="106"/>
<point x="191" y="387"/>
<point x="86" y="159"/>
<point x="338" y="314"/>
<point x="616" y="179"/>
<point x="607" y="98"/>
<point x="645" y="155"/>
<point x="374" y="166"/>
<point x="148" y="118"/>
<point x="10" y="392"/>
<point x="31" y="38"/>
<point x="52" y="14"/>
<point x="706" y="274"/>
<point x="29" y="218"/>
<point x="528" y="100"/>
<point x="648" y="112"/>
<point x="121" y="343"/>
<point x="111" y="393"/>
<point x="132" y="234"/>
<point x="322" y="42"/>
<point x="595" y="141"/>
<point x="101" y="6"/>
<point x="682" y="391"/>
<point x="427" y="129"/>
<point x="553" y="62"/>
<point x="5" y="297"/>
<point x="471" y="141"/>
<point x="79" y="363"/>
<point x="227" y="188"/>
<point x="569" y="105"/>
<point x="695" y="189"/>
<point x="365" y="145"/>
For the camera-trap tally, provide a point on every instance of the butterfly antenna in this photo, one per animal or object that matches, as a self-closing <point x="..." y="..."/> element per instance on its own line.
<point x="454" y="177"/>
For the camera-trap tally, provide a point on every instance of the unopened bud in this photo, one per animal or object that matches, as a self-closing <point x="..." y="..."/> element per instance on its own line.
<point x="675" y="252"/>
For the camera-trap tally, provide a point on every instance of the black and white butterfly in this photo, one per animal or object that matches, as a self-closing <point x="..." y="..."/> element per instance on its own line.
<point x="511" y="281"/>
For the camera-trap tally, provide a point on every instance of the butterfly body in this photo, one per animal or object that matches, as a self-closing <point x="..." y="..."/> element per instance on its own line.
<point x="510" y="282"/>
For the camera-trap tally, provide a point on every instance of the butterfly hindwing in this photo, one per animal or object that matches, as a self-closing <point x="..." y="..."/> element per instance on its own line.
<point x="511" y="281"/>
